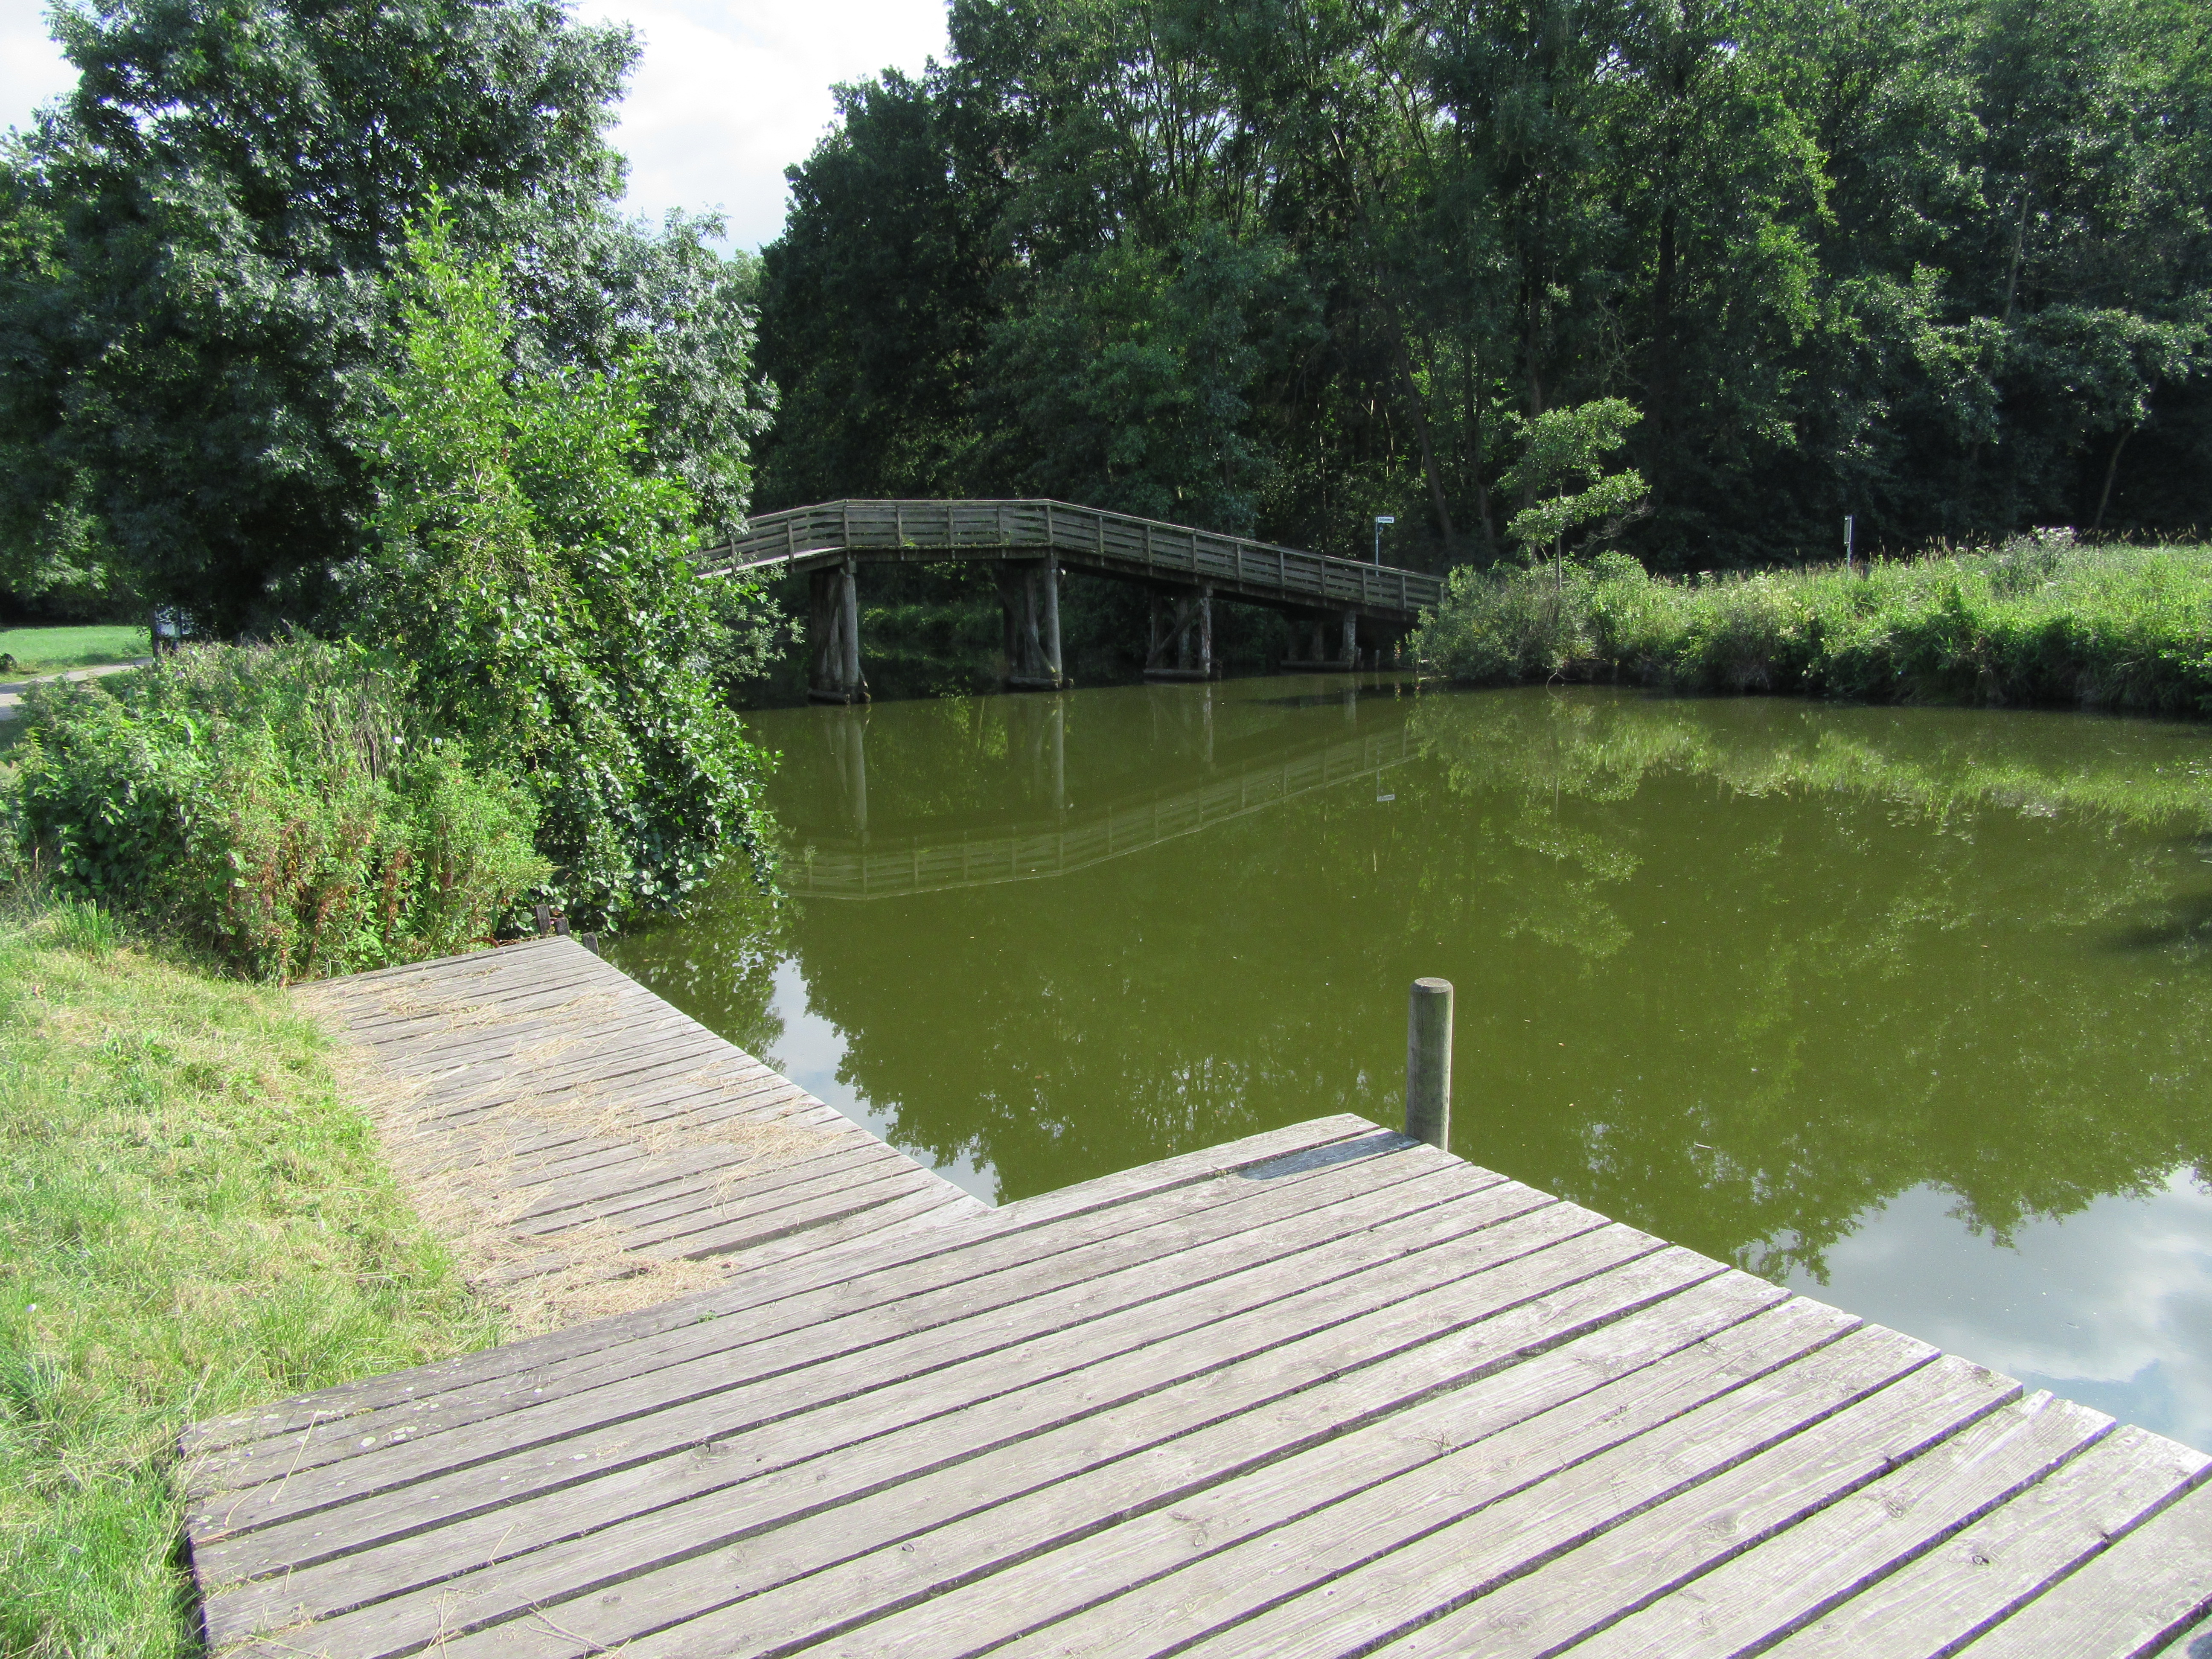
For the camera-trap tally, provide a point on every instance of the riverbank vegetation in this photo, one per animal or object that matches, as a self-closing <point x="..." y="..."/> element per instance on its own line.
<point x="2039" y="620"/>
<point x="194" y="1222"/>
<point x="292" y="811"/>
<point x="423" y="392"/>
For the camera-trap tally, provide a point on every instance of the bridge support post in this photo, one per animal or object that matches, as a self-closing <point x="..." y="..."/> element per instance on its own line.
<point x="1182" y="643"/>
<point x="1029" y="601"/>
<point x="834" y="626"/>
<point x="1320" y="662"/>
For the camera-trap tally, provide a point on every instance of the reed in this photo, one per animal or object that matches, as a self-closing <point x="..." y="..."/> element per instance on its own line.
<point x="2041" y="620"/>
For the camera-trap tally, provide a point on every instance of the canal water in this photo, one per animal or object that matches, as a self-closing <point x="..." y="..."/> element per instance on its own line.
<point x="1909" y="1008"/>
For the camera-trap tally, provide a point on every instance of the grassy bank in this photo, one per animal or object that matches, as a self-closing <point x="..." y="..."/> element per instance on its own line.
<point x="191" y="1220"/>
<point x="51" y="650"/>
<point x="2038" y="621"/>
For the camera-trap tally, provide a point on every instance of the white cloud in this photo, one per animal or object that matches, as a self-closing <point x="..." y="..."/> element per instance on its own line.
<point x="2111" y="1306"/>
<point x="728" y="94"/>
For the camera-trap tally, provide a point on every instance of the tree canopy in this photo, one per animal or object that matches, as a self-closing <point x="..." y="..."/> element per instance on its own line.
<point x="194" y="314"/>
<point x="1276" y="268"/>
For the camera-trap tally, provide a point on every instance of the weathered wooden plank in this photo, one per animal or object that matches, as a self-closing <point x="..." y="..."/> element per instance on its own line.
<point x="490" y="983"/>
<point x="1232" y="1367"/>
<point x="1660" y="1549"/>
<point x="661" y="1187"/>
<point x="487" y="979"/>
<point x="1072" y="1217"/>
<point x="2128" y="1600"/>
<point x="541" y="1154"/>
<point x="486" y="1002"/>
<point x="715" y="1094"/>
<point x="559" y="1062"/>
<point x="743" y="1226"/>
<point x="839" y="1316"/>
<point x="997" y="1270"/>
<point x="2003" y="1560"/>
<point x="2195" y="1642"/>
<point x="755" y="1432"/>
<point x="1779" y="1585"/>
<point x="442" y="965"/>
<point x="1504" y="1394"/>
<point x="1808" y="1429"/>
<point x="411" y="1043"/>
<point x="477" y="1091"/>
<point x="737" y="1382"/>
<point x="666" y="1187"/>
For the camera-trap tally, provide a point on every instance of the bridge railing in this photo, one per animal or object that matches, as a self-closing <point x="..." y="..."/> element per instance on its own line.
<point x="1083" y="536"/>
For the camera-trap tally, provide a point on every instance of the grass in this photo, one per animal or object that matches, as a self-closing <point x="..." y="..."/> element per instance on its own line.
<point x="191" y="1221"/>
<point x="52" y="650"/>
<point x="2037" y="621"/>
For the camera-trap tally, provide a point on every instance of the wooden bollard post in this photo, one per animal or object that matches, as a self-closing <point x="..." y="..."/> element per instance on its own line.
<point x="1428" y="1063"/>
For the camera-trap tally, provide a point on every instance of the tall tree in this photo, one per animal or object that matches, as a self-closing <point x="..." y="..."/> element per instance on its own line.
<point x="1945" y="267"/>
<point x="193" y="315"/>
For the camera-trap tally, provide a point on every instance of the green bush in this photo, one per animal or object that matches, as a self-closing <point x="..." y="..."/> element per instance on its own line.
<point x="287" y="806"/>
<point x="2036" y="620"/>
<point x="536" y="569"/>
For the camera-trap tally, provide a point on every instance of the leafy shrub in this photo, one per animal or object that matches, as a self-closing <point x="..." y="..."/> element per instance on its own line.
<point x="536" y="569"/>
<point x="287" y="806"/>
<point x="2038" y="620"/>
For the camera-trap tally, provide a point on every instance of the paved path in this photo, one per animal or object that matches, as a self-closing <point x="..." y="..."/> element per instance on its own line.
<point x="11" y="691"/>
<point x="1321" y="1391"/>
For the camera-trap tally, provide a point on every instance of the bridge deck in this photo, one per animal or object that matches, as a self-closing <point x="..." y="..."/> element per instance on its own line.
<point x="1316" y="1392"/>
<point x="1080" y="538"/>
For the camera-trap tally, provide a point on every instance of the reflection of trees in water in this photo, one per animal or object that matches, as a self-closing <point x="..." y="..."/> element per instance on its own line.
<point x="1927" y="941"/>
<point x="1733" y="971"/>
<point x="717" y="960"/>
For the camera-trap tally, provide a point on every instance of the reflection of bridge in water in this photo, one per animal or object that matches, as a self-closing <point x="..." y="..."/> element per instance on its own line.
<point x="865" y="868"/>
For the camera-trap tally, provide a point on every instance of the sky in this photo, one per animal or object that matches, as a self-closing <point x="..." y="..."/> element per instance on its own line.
<point x="728" y="94"/>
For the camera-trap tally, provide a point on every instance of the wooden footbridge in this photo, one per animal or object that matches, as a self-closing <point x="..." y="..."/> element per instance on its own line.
<point x="1322" y="1391"/>
<point x="1031" y="542"/>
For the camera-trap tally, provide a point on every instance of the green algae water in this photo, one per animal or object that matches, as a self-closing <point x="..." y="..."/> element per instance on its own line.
<point x="1908" y="1008"/>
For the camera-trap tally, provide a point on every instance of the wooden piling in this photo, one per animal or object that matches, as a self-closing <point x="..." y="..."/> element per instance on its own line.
<point x="1428" y="1063"/>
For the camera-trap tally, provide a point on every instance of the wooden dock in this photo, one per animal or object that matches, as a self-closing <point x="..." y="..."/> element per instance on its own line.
<point x="582" y="1144"/>
<point x="1319" y="1392"/>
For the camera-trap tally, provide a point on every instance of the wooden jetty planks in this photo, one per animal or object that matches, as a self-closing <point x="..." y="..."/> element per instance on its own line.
<point x="1134" y="1523"/>
<point x="2132" y="1599"/>
<point x="567" y="1130"/>
<point x="851" y="1268"/>
<point x="1320" y="1392"/>
<point x="964" y="1285"/>
<point x="1990" y="1569"/>
<point x="767" y="1392"/>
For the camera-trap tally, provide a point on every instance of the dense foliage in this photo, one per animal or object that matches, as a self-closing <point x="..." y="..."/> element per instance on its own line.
<point x="1944" y="267"/>
<point x="193" y="316"/>
<point x="288" y="807"/>
<point x="2039" y="620"/>
<point x="535" y="570"/>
